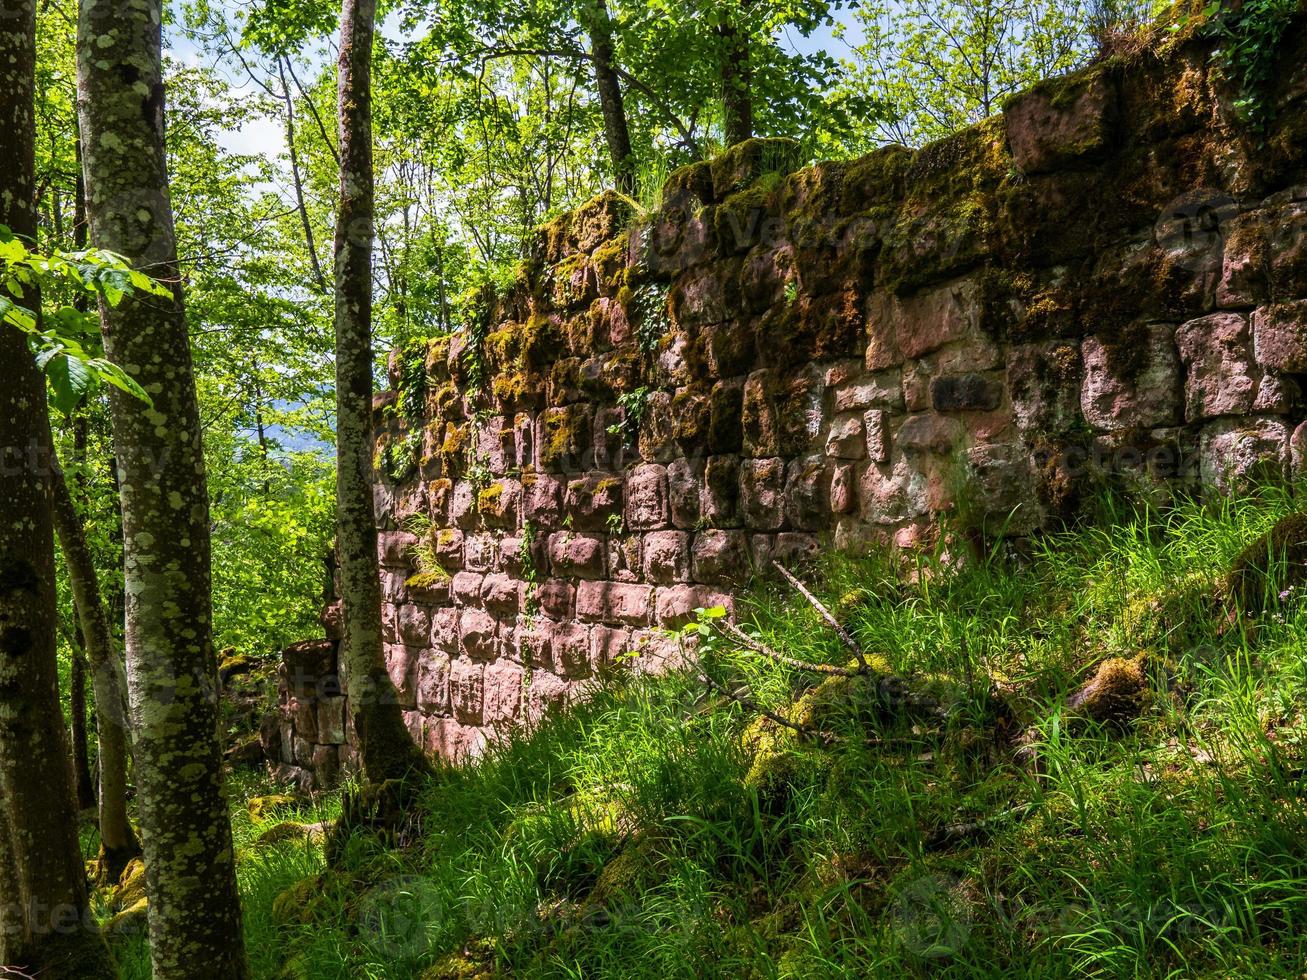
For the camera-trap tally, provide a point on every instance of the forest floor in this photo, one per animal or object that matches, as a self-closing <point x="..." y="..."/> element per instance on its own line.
<point x="1004" y="819"/>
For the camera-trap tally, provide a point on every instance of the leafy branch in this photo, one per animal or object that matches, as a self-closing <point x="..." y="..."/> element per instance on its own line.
<point x="66" y="338"/>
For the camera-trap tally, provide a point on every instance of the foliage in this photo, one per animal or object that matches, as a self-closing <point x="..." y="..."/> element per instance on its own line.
<point x="1249" y="35"/>
<point x="941" y="67"/>
<point x="662" y="831"/>
<point x="61" y="336"/>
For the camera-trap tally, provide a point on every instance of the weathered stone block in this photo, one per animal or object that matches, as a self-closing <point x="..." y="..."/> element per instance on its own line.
<point x="1221" y="378"/>
<point x="676" y="603"/>
<point x="571" y="646"/>
<point x="533" y="642"/>
<point x="1044" y="381"/>
<point x="1238" y="452"/>
<point x="684" y="489"/>
<point x="502" y="686"/>
<point x="563" y="444"/>
<point x="477" y="631"/>
<point x="1060" y="120"/>
<point x="893" y="494"/>
<point x="498" y="503"/>
<point x="624" y="557"/>
<point x="666" y="557"/>
<point x="792" y="548"/>
<point x="844" y="489"/>
<point x="577" y="555"/>
<point x="413" y="624"/>
<point x="542" y="499"/>
<point x="402" y="666"/>
<point x="807" y="507"/>
<point x="594" y="501"/>
<point x="720" y="556"/>
<point x="847" y="439"/>
<point x="448" y="546"/>
<point x="614" y="602"/>
<point x="883" y="389"/>
<point x="965" y="393"/>
<point x="545" y="695"/>
<point x="927" y="320"/>
<point x="657" y="429"/>
<point x="467" y="690"/>
<point x="467" y="588"/>
<point x="331" y="721"/>
<point x="607" y="644"/>
<point x="1280" y="337"/>
<point x="762" y="493"/>
<point x="444" y="629"/>
<point x="479" y="552"/>
<point x="463" y="506"/>
<point x="433" y="683"/>
<point x="1131" y="380"/>
<point x="646" y="497"/>
<point x="725" y="417"/>
<point x="556" y="597"/>
<point x="502" y="595"/>
<point x="721" y="492"/>
<point x="930" y="433"/>
<point x="395" y="548"/>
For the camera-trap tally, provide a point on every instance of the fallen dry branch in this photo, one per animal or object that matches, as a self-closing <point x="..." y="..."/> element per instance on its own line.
<point x="845" y="637"/>
<point x="749" y="643"/>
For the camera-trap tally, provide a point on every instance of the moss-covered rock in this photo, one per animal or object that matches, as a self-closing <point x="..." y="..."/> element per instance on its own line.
<point x="1272" y="565"/>
<point x="289" y="830"/>
<point x="262" y="808"/>
<point x="1117" y="693"/>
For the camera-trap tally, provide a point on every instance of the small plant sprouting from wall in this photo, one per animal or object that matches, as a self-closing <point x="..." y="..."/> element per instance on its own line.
<point x="633" y="405"/>
<point x="648" y="309"/>
<point x="530" y="574"/>
<point x="476" y="318"/>
<point x="429" y="570"/>
<point x="1249" y="36"/>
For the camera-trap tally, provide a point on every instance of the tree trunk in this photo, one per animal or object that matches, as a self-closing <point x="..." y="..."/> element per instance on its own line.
<point x="194" y="913"/>
<point x="611" y="103"/>
<point x="309" y="243"/>
<point x="83" y="783"/>
<point x="737" y="82"/>
<point x="45" y="923"/>
<point x="116" y="836"/>
<point x="386" y="749"/>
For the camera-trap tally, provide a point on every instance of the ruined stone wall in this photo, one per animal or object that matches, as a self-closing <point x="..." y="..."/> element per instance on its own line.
<point x="1104" y="285"/>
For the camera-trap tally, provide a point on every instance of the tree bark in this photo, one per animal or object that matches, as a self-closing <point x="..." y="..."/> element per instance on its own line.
<point x="611" y="102"/>
<point x="737" y="81"/>
<point x="194" y="913"/>
<point x="45" y="923"/>
<point x="117" y="839"/>
<point x="309" y="243"/>
<point x="83" y="783"/>
<point x="386" y="749"/>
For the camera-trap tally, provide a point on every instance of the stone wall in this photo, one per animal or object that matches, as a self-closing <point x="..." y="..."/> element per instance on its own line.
<point x="1104" y="285"/>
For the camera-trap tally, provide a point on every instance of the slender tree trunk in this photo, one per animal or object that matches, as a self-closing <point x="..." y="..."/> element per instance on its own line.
<point x="83" y="783"/>
<point x="611" y="103"/>
<point x="45" y="924"/>
<point x="386" y="749"/>
<point x="117" y="839"/>
<point x="194" y="913"/>
<point x="309" y="244"/>
<point x="737" y="81"/>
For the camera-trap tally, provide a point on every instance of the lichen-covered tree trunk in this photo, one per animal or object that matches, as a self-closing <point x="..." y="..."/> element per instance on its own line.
<point x="45" y="926"/>
<point x="611" y="102"/>
<point x="194" y="913"/>
<point x="117" y="839"/>
<point x="386" y="749"/>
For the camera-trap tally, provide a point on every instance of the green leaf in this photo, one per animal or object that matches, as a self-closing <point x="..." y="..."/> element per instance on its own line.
<point x="70" y="381"/>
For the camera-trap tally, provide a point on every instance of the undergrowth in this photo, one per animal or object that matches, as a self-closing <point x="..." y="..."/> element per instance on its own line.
<point x="664" y="831"/>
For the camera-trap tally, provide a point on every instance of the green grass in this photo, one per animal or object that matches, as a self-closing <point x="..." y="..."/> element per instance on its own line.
<point x="661" y="831"/>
